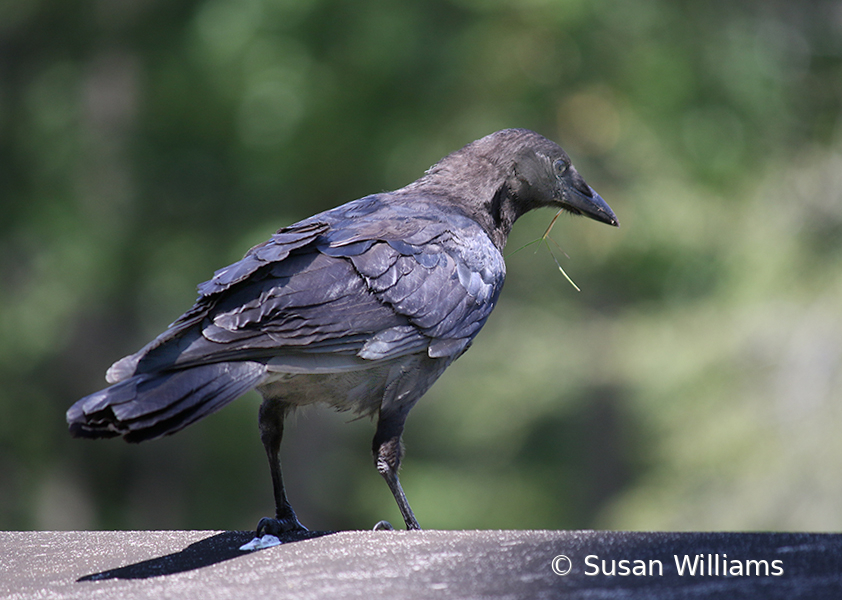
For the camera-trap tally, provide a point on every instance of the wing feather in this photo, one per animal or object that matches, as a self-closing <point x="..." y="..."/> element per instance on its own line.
<point x="370" y="279"/>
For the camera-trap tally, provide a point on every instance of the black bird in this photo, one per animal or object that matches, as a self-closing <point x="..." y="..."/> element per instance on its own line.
<point x="362" y="307"/>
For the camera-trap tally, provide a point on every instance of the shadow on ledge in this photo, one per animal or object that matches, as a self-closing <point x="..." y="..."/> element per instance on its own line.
<point x="215" y="549"/>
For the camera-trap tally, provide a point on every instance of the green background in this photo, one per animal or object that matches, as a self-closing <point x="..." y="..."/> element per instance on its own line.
<point x="693" y="383"/>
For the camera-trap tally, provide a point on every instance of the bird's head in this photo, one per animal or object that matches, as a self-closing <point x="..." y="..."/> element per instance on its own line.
<point x="543" y="175"/>
<point x="504" y="175"/>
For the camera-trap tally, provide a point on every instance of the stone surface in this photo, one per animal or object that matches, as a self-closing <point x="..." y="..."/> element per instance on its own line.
<point x="206" y="565"/>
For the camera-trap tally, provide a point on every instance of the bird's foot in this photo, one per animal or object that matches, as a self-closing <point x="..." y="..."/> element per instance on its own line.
<point x="277" y="527"/>
<point x="269" y="532"/>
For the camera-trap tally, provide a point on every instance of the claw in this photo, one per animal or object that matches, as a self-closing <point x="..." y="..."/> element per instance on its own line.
<point x="383" y="526"/>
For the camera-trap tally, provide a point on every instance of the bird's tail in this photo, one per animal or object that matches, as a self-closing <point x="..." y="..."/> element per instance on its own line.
<point x="150" y="405"/>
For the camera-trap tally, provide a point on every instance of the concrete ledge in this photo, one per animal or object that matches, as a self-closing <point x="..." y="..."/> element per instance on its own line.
<point x="444" y="564"/>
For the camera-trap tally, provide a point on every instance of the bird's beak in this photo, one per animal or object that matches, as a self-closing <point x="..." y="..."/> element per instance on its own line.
<point x="580" y="198"/>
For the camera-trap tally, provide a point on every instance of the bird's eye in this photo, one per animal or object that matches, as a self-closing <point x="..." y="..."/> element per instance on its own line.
<point x="561" y="167"/>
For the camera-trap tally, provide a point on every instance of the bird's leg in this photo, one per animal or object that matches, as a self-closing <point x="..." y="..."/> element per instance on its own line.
<point x="271" y="420"/>
<point x="388" y="451"/>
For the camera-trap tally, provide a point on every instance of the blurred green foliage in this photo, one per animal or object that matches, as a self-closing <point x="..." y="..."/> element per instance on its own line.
<point x="695" y="381"/>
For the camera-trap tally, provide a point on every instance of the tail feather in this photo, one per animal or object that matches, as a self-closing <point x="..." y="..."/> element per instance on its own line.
<point x="151" y="405"/>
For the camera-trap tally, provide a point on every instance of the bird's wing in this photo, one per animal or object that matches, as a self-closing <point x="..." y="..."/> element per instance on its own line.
<point x="369" y="281"/>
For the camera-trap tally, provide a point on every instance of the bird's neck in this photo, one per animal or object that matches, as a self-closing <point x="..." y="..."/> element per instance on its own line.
<point x="489" y="199"/>
<point x="500" y="214"/>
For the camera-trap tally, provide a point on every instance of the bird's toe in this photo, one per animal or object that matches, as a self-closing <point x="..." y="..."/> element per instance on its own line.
<point x="277" y="527"/>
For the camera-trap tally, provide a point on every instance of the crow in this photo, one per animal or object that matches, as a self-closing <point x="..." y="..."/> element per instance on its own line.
<point x="361" y="307"/>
